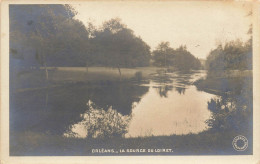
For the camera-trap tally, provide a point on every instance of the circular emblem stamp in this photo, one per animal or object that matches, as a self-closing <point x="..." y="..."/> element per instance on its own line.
<point x="240" y="143"/>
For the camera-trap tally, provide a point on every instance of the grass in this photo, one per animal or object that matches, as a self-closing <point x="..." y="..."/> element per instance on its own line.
<point x="225" y="83"/>
<point x="99" y="73"/>
<point x="205" y="143"/>
<point x="67" y="75"/>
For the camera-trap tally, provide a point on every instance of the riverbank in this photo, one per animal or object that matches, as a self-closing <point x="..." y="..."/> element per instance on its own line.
<point x="59" y="76"/>
<point x="46" y="120"/>
<point x="221" y="83"/>
<point x="233" y="109"/>
<point x="206" y="143"/>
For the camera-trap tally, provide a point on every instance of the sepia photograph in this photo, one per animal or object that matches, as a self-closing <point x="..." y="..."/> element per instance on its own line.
<point x="129" y="78"/>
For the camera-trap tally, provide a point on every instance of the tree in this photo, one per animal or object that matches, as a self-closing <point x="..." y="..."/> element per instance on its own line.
<point x="163" y="55"/>
<point x="179" y="58"/>
<point x="105" y="124"/>
<point x="116" y="46"/>
<point x="234" y="55"/>
<point x="48" y="33"/>
<point x="184" y="60"/>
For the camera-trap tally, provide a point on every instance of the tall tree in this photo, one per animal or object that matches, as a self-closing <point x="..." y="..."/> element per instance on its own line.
<point x="49" y="33"/>
<point x="184" y="60"/>
<point x="234" y="55"/>
<point x="163" y="55"/>
<point x="117" y="46"/>
<point x="180" y="58"/>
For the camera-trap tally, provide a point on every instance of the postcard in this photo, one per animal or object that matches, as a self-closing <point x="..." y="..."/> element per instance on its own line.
<point x="130" y="81"/>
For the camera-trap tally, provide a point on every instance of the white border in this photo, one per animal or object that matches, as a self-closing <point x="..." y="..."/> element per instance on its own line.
<point x="5" y="158"/>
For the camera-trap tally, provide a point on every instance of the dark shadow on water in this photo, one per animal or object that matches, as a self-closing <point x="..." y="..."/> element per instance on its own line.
<point x="163" y="90"/>
<point x="180" y="90"/>
<point x="55" y="110"/>
<point x="233" y="110"/>
<point x="168" y="81"/>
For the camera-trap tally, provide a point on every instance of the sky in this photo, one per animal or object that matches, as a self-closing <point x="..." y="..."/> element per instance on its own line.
<point x="198" y="25"/>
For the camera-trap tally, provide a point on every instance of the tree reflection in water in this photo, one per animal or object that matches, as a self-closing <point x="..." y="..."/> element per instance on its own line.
<point x="169" y="81"/>
<point x="55" y="110"/>
<point x="180" y="90"/>
<point x="163" y="90"/>
<point x="231" y="111"/>
<point x="100" y="123"/>
<point x="165" y="83"/>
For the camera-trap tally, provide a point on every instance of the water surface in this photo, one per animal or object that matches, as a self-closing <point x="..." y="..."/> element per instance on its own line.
<point x="164" y="105"/>
<point x="171" y="105"/>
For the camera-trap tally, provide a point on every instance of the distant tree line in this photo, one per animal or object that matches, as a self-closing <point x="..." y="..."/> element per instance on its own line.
<point x="179" y="58"/>
<point x="49" y="35"/>
<point x="233" y="55"/>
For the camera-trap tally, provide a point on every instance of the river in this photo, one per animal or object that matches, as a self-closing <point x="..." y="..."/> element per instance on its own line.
<point x="164" y="105"/>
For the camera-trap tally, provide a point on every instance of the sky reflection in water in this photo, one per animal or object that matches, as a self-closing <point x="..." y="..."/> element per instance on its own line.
<point x="171" y="106"/>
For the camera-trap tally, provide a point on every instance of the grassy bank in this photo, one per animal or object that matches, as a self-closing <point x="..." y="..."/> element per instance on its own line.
<point x="99" y="73"/>
<point x="221" y="83"/>
<point x="233" y="109"/>
<point x="205" y="143"/>
<point x="34" y="79"/>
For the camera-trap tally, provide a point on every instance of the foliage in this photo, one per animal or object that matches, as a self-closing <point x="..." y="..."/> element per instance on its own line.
<point x="180" y="58"/>
<point x="105" y="124"/>
<point x="115" y="45"/>
<point x="163" y="55"/>
<point x="48" y="33"/>
<point x="232" y="109"/>
<point x="184" y="60"/>
<point x="230" y="112"/>
<point x="227" y="77"/>
<point x="234" y="55"/>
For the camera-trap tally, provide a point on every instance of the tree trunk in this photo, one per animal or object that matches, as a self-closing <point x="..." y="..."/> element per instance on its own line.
<point x="165" y="63"/>
<point x="87" y="67"/>
<point x="46" y="72"/>
<point x="119" y="71"/>
<point x="47" y="98"/>
<point x="165" y="60"/>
